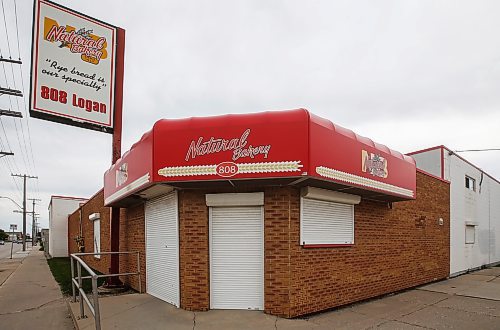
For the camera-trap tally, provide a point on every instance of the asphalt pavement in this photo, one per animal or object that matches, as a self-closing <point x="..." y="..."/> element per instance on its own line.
<point x="5" y="249"/>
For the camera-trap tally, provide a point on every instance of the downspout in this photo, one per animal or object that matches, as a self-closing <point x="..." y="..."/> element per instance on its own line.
<point x="289" y="255"/>
<point x="80" y="221"/>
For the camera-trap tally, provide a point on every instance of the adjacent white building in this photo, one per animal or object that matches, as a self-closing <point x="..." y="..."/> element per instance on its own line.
<point x="59" y="209"/>
<point x="474" y="208"/>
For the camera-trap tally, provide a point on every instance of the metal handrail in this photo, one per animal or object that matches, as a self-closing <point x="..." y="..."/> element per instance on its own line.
<point x="76" y="283"/>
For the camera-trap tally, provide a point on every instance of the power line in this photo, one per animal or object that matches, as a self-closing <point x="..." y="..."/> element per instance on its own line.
<point x="6" y="31"/>
<point x="18" y="191"/>
<point x="469" y="150"/>
<point x="4" y="153"/>
<point x="29" y="162"/>
<point x="17" y="32"/>
<point x="24" y="98"/>
<point x="8" y="60"/>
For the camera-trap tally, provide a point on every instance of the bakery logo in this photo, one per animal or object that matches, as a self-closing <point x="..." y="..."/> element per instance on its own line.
<point x="239" y="146"/>
<point x="374" y="164"/>
<point x="92" y="48"/>
<point x="121" y="174"/>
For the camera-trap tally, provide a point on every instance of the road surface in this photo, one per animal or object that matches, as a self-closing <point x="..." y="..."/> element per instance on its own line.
<point x="5" y="249"/>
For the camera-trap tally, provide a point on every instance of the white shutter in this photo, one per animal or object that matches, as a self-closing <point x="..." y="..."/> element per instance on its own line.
<point x="162" y="248"/>
<point x="235" y="199"/>
<point x="324" y="222"/>
<point x="97" y="238"/>
<point x="237" y="257"/>
<point x="470" y="234"/>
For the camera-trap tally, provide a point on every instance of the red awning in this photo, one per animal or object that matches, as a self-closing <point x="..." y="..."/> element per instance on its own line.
<point x="293" y="146"/>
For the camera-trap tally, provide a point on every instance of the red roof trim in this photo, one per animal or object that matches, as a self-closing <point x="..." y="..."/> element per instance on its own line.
<point x="442" y="162"/>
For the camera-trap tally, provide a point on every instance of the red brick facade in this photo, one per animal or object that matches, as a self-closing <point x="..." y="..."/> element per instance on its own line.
<point x="395" y="248"/>
<point x="193" y="247"/>
<point x="94" y="205"/>
<point x="131" y="237"/>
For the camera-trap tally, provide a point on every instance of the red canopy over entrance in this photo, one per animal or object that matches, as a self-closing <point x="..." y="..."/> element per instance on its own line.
<point x="283" y="147"/>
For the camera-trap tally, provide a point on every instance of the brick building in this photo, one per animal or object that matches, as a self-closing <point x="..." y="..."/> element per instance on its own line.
<point x="283" y="212"/>
<point x="474" y="208"/>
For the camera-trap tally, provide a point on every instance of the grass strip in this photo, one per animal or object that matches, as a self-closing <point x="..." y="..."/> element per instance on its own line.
<point x="61" y="270"/>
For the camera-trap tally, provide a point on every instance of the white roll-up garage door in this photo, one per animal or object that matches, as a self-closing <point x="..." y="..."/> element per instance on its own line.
<point x="162" y="248"/>
<point x="237" y="257"/>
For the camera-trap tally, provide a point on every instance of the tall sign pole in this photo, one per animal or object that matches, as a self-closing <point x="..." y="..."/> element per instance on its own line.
<point x="77" y="79"/>
<point x="116" y="154"/>
<point x="12" y="227"/>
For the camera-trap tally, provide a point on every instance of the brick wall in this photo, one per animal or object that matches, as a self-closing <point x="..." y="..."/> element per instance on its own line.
<point x="131" y="237"/>
<point x="394" y="249"/>
<point x="282" y="207"/>
<point x="193" y="250"/>
<point x="94" y="205"/>
<point x="73" y="231"/>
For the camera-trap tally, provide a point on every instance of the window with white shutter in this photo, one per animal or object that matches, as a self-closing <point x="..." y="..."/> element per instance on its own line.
<point x="470" y="234"/>
<point x="97" y="238"/>
<point x="323" y="220"/>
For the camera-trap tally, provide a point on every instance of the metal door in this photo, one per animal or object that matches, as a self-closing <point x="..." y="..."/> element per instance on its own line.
<point x="237" y="257"/>
<point x="162" y="248"/>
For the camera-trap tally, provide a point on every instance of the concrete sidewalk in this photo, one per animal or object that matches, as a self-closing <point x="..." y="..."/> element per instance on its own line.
<point x="471" y="301"/>
<point x="29" y="295"/>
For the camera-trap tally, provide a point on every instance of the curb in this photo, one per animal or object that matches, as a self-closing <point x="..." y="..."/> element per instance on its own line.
<point x="73" y="317"/>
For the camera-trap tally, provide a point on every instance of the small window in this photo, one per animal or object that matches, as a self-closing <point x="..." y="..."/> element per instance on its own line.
<point x="326" y="223"/>
<point x="97" y="238"/>
<point x="470" y="183"/>
<point x="470" y="234"/>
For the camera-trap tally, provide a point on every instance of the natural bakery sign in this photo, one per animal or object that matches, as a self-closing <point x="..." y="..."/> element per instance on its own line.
<point x="238" y="145"/>
<point x="73" y="68"/>
<point x="239" y="148"/>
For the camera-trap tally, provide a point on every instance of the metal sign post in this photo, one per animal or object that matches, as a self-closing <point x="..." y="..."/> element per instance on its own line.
<point x="12" y="227"/>
<point x="116" y="154"/>
<point x="77" y="78"/>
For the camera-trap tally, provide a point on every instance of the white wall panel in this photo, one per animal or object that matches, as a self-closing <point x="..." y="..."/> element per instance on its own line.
<point x="59" y="210"/>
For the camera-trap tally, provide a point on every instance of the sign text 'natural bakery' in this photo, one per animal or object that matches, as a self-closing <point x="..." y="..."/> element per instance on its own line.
<point x="239" y="146"/>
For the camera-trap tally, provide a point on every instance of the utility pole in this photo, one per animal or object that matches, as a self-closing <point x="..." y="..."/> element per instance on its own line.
<point x="33" y="228"/>
<point x="24" y="176"/>
<point x="7" y="90"/>
<point x="10" y="114"/>
<point x="6" y="153"/>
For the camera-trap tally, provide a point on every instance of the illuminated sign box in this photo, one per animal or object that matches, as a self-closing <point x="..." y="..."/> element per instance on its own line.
<point x="73" y="68"/>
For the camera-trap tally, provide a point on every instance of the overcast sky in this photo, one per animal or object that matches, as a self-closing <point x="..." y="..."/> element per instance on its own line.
<point x="407" y="74"/>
